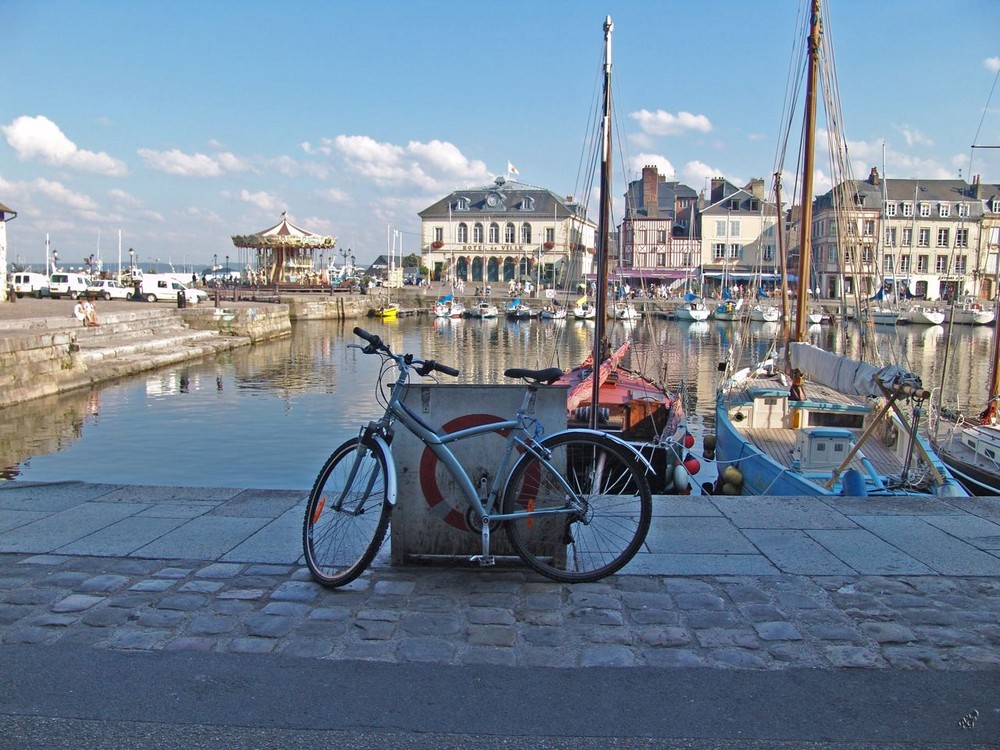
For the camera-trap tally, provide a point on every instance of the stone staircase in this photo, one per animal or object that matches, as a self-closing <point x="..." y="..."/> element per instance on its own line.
<point x="41" y="356"/>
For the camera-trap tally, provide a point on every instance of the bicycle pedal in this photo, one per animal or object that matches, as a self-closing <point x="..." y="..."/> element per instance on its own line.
<point x="485" y="561"/>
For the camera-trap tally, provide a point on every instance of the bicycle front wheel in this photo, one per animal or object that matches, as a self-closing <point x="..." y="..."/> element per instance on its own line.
<point x="602" y="503"/>
<point x="347" y="514"/>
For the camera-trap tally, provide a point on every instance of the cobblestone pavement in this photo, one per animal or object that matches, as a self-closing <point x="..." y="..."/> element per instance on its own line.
<point x="504" y="616"/>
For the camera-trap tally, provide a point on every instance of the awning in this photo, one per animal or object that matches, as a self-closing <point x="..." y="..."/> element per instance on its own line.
<point x="744" y="276"/>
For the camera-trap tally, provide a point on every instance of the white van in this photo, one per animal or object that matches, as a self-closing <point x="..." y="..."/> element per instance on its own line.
<point x="70" y="285"/>
<point x="34" y="284"/>
<point x="162" y="287"/>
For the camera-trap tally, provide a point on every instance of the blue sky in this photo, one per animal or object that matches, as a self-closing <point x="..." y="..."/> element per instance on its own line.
<point x="183" y="123"/>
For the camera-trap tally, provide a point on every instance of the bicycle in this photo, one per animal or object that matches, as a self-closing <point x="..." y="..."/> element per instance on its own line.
<point x="575" y="505"/>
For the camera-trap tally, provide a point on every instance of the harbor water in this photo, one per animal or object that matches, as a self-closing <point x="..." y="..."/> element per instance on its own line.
<point x="267" y="416"/>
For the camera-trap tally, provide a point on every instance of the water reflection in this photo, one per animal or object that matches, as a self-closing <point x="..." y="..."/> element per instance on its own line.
<point x="269" y="415"/>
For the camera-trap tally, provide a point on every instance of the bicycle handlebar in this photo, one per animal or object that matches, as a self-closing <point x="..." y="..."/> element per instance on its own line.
<point x="423" y="367"/>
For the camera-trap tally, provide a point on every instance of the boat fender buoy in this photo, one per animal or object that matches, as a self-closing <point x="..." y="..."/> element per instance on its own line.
<point x="692" y="464"/>
<point x="709" y="455"/>
<point x="709" y="442"/>
<point x="729" y="489"/>
<point x="688" y="440"/>
<point x="681" y="480"/>
<point x="732" y="475"/>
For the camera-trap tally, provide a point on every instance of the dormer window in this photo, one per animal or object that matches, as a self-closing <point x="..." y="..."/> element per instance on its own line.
<point x="734" y="204"/>
<point x="944" y="209"/>
<point x="890" y="209"/>
<point x="995" y="205"/>
<point x="462" y="204"/>
<point x="908" y="209"/>
<point x="963" y="209"/>
<point x="925" y="210"/>
<point x="755" y="205"/>
<point x="528" y="204"/>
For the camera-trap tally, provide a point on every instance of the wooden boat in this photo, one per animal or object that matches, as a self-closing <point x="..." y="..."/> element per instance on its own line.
<point x="609" y="396"/>
<point x="814" y="423"/>
<point x="386" y="311"/>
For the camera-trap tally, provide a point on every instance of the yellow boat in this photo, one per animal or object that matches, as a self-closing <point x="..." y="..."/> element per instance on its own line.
<point x="387" y="311"/>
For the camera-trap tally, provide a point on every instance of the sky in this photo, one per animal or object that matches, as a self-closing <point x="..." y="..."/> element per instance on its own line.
<point x="175" y="125"/>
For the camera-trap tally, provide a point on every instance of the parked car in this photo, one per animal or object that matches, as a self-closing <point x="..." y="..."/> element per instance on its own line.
<point x="34" y="284"/>
<point x="107" y="289"/>
<point x="161" y="287"/>
<point x="70" y="285"/>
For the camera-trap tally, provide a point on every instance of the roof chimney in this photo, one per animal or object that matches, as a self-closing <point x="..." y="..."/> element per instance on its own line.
<point x="873" y="177"/>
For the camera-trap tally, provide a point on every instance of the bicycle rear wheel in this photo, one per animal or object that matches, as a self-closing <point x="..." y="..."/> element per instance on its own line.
<point x="347" y="514"/>
<point x="607" y="526"/>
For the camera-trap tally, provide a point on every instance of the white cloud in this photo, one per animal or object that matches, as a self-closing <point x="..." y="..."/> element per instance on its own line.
<point x="992" y="64"/>
<point x="334" y="195"/>
<point x="59" y="193"/>
<point x="661" y="163"/>
<point x="177" y="162"/>
<point x="661" y="122"/>
<point x="40" y="138"/>
<point x="698" y="175"/>
<point x="431" y="166"/>
<point x="913" y="137"/>
<point x="262" y="200"/>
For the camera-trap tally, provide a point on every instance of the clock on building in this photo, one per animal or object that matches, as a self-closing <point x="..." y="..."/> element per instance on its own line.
<point x="492" y="200"/>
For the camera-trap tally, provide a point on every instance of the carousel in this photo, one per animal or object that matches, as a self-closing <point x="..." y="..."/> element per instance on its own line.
<point x="286" y="254"/>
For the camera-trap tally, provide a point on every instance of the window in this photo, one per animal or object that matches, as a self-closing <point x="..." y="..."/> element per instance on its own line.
<point x="767" y="254"/>
<point x="963" y="209"/>
<point x="526" y="233"/>
<point x="890" y="236"/>
<point x="925" y="210"/>
<point x="995" y="205"/>
<point x="734" y="228"/>
<point x="719" y="251"/>
<point x="868" y="229"/>
<point x="866" y="254"/>
<point x="494" y="234"/>
<point x="735" y="252"/>
<point x="922" y="264"/>
<point x="907" y="237"/>
<point x="907" y="209"/>
<point x="661" y="236"/>
<point x="904" y="264"/>
<point x="734" y="204"/>
<point x="944" y="209"/>
<point x="509" y="234"/>
<point x="550" y="234"/>
<point x="462" y="204"/>
<point x="961" y="263"/>
<point x="439" y="234"/>
<point x="941" y="264"/>
<point x="831" y="254"/>
<point x="720" y="228"/>
<point x="942" y="237"/>
<point x="890" y="209"/>
<point x="528" y="204"/>
<point x="961" y="238"/>
<point x="924" y="238"/>
<point x="463" y="232"/>
<point x="477" y="233"/>
<point x="887" y="264"/>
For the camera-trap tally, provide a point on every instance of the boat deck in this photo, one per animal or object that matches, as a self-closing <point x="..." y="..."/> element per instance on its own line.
<point x="780" y="443"/>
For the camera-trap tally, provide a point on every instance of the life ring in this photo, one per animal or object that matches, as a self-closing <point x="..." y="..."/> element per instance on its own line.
<point x="450" y="514"/>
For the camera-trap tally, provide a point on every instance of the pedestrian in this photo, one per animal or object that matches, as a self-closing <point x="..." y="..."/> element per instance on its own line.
<point x="79" y="313"/>
<point x="89" y="313"/>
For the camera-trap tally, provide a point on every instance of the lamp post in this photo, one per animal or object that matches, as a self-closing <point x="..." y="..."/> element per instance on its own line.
<point x="227" y="267"/>
<point x="55" y="261"/>
<point x="131" y="260"/>
<point x="215" y="263"/>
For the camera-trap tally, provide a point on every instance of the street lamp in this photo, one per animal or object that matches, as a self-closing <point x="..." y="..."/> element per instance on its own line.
<point x="55" y="261"/>
<point x="215" y="262"/>
<point x="227" y="266"/>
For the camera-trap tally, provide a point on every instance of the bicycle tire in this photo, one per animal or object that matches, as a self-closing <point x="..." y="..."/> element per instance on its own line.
<point x="596" y="541"/>
<point x="339" y="545"/>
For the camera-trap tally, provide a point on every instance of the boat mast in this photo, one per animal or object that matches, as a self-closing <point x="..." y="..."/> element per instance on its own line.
<point x="603" y="231"/>
<point x="805" y="246"/>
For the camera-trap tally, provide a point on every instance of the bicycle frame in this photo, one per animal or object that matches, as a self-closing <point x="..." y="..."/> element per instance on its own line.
<point x="396" y="410"/>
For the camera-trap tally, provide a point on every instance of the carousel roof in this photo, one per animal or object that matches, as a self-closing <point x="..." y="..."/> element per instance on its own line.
<point x="283" y="234"/>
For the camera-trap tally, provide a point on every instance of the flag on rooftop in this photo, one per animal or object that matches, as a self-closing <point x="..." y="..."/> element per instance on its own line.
<point x="511" y="169"/>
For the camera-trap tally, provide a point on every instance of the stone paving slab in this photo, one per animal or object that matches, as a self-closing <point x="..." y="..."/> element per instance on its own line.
<point x="932" y="546"/>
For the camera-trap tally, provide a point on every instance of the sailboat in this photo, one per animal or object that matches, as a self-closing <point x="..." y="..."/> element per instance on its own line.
<point x="815" y="423"/>
<point x="970" y="446"/>
<point x="389" y="310"/>
<point x="603" y="393"/>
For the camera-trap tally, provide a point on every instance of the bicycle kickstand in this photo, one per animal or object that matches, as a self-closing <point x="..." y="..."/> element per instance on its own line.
<point x="485" y="560"/>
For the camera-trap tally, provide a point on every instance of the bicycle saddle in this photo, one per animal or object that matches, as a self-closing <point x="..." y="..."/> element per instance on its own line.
<point x="548" y="376"/>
